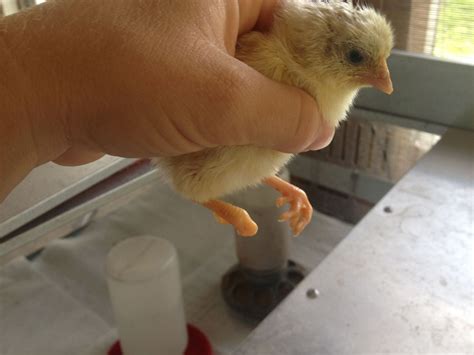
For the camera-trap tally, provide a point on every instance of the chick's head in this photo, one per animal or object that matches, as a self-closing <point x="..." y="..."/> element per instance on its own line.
<point x="341" y="43"/>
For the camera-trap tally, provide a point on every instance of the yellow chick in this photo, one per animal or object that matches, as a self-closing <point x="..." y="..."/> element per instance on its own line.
<point x="330" y="50"/>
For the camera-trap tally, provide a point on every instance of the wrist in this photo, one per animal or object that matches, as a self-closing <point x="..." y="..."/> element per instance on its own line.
<point x="29" y="132"/>
<point x="34" y="103"/>
<point x="17" y="152"/>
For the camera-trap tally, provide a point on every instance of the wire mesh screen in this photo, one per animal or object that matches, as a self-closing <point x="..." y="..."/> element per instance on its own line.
<point x="453" y="34"/>
<point x="442" y="28"/>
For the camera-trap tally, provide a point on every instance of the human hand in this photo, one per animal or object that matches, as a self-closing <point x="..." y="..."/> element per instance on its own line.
<point x="154" y="78"/>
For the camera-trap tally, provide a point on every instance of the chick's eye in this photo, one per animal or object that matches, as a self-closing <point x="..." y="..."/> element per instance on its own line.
<point x="355" y="56"/>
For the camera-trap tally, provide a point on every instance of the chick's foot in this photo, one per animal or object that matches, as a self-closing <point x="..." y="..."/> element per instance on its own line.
<point x="226" y="213"/>
<point x="300" y="211"/>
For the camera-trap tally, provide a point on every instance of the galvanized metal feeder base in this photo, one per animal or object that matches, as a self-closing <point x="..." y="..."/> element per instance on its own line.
<point x="254" y="294"/>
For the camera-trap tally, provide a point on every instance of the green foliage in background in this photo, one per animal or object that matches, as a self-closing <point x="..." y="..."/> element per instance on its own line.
<point x="455" y="30"/>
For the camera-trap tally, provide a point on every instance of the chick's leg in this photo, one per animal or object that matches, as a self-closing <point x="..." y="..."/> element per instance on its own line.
<point x="300" y="211"/>
<point x="229" y="214"/>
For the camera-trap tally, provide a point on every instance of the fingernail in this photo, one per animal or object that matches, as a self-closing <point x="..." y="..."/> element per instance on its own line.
<point x="324" y="139"/>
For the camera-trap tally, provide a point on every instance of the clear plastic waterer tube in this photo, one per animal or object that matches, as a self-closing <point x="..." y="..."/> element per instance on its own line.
<point x="145" y="290"/>
<point x="264" y="274"/>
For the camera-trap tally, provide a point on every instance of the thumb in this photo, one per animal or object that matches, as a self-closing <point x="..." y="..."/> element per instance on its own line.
<point x="282" y="117"/>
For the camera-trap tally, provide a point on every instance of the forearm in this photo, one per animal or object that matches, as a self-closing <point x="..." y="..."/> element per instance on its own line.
<point x="17" y="153"/>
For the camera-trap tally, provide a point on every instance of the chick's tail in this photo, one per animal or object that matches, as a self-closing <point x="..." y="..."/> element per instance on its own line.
<point x="227" y="213"/>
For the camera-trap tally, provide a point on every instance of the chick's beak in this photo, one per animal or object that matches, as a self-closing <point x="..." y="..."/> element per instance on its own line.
<point x="381" y="78"/>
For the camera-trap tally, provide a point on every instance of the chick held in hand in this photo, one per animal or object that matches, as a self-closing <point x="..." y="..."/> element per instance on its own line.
<point x="330" y="50"/>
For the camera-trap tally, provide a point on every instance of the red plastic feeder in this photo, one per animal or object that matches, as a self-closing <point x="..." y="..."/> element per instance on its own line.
<point x="198" y="344"/>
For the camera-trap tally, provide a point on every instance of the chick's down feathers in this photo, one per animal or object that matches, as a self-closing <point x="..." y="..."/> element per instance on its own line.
<point x="330" y="50"/>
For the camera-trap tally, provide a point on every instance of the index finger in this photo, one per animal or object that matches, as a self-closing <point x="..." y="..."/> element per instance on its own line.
<point x="256" y="14"/>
